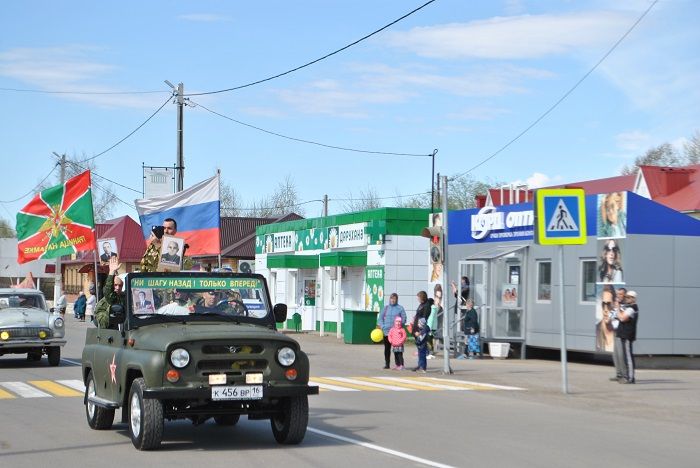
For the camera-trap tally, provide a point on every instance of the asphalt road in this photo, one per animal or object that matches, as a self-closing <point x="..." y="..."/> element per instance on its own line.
<point x="368" y="416"/>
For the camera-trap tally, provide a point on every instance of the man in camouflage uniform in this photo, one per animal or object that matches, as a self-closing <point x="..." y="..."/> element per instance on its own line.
<point x="150" y="259"/>
<point x="112" y="294"/>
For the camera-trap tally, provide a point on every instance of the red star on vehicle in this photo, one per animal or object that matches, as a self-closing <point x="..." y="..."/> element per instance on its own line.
<point x="113" y="369"/>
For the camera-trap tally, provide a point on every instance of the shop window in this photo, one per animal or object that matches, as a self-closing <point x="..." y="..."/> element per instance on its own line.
<point x="544" y="281"/>
<point x="588" y="277"/>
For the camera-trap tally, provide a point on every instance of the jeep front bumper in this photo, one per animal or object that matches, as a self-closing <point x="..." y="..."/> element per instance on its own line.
<point x="204" y="392"/>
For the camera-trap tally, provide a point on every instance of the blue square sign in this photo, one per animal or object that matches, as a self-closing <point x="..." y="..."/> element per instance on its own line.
<point x="561" y="216"/>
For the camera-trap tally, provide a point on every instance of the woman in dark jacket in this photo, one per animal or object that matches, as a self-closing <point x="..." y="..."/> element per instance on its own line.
<point x="423" y="310"/>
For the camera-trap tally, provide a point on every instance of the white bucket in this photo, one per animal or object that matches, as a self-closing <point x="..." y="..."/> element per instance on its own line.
<point x="499" y="350"/>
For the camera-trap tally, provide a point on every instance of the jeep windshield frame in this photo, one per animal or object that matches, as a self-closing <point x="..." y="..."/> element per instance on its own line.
<point x="155" y="298"/>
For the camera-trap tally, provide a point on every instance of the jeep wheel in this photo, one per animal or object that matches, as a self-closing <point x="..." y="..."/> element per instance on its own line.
<point x="54" y="354"/>
<point x="289" y="427"/>
<point x="145" y="418"/>
<point x="97" y="417"/>
<point x="227" y="420"/>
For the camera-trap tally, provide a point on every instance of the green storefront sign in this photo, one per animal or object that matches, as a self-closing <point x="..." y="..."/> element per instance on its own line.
<point x="374" y="289"/>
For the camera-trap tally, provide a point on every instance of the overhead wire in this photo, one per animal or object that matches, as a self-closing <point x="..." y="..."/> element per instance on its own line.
<point x="310" y="142"/>
<point x="134" y="131"/>
<point x="82" y="93"/>
<point x="34" y="189"/>
<point x="316" y="60"/>
<point x="562" y="98"/>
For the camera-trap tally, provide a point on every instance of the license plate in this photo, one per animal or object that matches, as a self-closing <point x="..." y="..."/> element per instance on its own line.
<point x="237" y="392"/>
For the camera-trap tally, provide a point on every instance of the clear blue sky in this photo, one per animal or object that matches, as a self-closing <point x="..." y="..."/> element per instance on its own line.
<point x="463" y="77"/>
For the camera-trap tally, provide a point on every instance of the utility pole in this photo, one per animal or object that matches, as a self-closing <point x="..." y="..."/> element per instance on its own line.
<point x="179" y="93"/>
<point x="58" y="277"/>
<point x="325" y="206"/>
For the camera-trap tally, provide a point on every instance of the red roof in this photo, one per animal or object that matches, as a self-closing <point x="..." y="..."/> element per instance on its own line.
<point x="676" y="187"/>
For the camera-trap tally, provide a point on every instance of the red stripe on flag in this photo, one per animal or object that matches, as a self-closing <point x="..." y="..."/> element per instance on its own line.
<point x="202" y="241"/>
<point x="75" y="188"/>
<point x="37" y="207"/>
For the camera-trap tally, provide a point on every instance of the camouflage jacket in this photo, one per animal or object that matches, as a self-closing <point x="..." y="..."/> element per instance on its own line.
<point x="109" y="297"/>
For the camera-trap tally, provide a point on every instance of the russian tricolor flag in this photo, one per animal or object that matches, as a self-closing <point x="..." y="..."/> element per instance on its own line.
<point x="196" y="211"/>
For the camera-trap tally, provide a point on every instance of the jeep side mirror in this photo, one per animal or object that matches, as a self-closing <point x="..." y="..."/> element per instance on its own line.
<point x="280" y="311"/>
<point x="116" y="315"/>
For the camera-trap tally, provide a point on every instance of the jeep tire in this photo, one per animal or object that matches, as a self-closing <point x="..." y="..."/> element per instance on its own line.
<point x="54" y="354"/>
<point x="145" y="418"/>
<point x="97" y="417"/>
<point x="289" y="426"/>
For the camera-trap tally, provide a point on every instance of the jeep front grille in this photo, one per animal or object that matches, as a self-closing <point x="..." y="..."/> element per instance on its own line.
<point x="234" y="365"/>
<point x="232" y="349"/>
<point x="29" y="332"/>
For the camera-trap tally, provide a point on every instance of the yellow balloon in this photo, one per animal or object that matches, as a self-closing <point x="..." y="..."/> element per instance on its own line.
<point x="376" y="335"/>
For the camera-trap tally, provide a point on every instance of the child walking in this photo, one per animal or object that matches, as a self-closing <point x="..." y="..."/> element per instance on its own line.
<point x="422" y="344"/>
<point x="397" y="337"/>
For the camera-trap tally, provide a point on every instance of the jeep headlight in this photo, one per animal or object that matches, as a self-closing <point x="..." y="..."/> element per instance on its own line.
<point x="179" y="357"/>
<point x="58" y="323"/>
<point x="286" y="356"/>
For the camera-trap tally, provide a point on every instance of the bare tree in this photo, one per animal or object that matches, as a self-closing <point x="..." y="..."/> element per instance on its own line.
<point x="367" y="199"/>
<point x="230" y="200"/>
<point x="692" y="148"/>
<point x="463" y="190"/>
<point x="6" y="230"/>
<point x="286" y="198"/>
<point x="663" y="155"/>
<point x="103" y="195"/>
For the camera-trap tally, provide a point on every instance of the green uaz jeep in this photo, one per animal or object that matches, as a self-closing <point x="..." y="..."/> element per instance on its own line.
<point x="195" y="346"/>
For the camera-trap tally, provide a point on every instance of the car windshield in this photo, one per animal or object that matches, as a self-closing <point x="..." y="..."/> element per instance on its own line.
<point x="200" y="296"/>
<point x="14" y="300"/>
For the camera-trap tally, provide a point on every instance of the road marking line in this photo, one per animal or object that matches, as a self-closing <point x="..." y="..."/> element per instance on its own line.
<point x="74" y="384"/>
<point x="72" y="362"/>
<point x="55" y="388"/>
<point x="6" y="395"/>
<point x="362" y="381"/>
<point x="24" y="390"/>
<point x="474" y="384"/>
<point x="400" y="383"/>
<point x="324" y="386"/>
<point x="429" y="384"/>
<point x="337" y="381"/>
<point x="378" y="448"/>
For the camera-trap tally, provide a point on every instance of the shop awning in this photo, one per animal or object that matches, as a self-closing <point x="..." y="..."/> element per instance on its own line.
<point x="292" y="261"/>
<point x="343" y="259"/>
<point x="496" y="252"/>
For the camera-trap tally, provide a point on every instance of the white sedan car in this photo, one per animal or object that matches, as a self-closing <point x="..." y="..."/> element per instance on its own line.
<point x="27" y="326"/>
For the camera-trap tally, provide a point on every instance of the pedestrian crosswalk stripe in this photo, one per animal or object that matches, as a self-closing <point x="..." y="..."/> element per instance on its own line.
<point x="23" y="390"/>
<point x="339" y="382"/>
<point x="368" y="382"/>
<point x="399" y="383"/>
<point x="472" y="385"/>
<point x="325" y="386"/>
<point x="424" y="383"/>
<point x="74" y="384"/>
<point x="55" y="388"/>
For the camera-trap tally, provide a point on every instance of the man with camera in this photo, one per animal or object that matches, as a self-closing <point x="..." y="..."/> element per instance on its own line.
<point x="149" y="262"/>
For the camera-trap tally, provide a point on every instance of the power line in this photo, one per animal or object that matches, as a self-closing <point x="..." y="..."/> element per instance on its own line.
<point x="134" y="131"/>
<point x="310" y="142"/>
<point x="34" y="189"/>
<point x="318" y="59"/>
<point x="86" y="168"/>
<point x="561" y="99"/>
<point x="82" y="93"/>
<point x="113" y="194"/>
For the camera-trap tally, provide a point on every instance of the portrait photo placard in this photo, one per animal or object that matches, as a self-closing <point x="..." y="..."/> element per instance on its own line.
<point x="107" y="248"/>
<point x="171" y="249"/>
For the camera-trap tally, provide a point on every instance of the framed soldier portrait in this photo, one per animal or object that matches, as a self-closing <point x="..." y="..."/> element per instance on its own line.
<point x="107" y="248"/>
<point x="171" y="249"/>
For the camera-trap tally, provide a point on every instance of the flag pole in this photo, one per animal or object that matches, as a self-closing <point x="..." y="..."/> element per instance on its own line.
<point x="97" y="282"/>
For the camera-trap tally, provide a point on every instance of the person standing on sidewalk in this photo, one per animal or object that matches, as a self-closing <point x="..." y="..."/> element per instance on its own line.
<point x="397" y="337"/>
<point x="422" y="344"/>
<point x="79" y="306"/>
<point x="612" y="302"/>
<point x="627" y="331"/>
<point x="385" y="320"/>
<point x="62" y="304"/>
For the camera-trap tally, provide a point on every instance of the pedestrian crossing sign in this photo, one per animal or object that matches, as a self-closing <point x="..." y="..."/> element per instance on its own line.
<point x="561" y="216"/>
